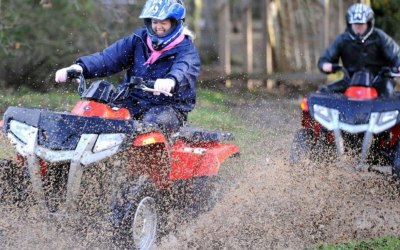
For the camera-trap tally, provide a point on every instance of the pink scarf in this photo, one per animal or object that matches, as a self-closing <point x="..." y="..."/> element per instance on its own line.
<point x="155" y="54"/>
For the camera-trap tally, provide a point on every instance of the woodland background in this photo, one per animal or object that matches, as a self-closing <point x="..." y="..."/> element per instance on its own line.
<point x="37" y="37"/>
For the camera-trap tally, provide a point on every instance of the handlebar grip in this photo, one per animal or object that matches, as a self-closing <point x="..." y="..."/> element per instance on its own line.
<point x="73" y="74"/>
<point x="149" y="84"/>
<point x="336" y="67"/>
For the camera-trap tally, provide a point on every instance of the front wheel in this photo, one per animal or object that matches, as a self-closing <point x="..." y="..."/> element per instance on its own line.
<point x="143" y="227"/>
<point x="14" y="183"/>
<point x="135" y="216"/>
<point x="301" y="146"/>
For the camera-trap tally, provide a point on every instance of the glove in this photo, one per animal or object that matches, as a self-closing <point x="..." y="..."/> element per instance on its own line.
<point x="327" y="67"/>
<point x="61" y="74"/>
<point x="164" y="86"/>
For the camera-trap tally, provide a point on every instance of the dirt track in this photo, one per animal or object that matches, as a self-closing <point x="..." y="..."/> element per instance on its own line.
<point x="275" y="206"/>
<point x="270" y="205"/>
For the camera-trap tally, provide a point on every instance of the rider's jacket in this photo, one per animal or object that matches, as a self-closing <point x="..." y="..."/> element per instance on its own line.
<point x="130" y="53"/>
<point x="372" y="53"/>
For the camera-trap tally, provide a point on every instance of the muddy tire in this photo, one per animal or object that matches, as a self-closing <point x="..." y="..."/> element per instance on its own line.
<point x="196" y="195"/>
<point x="13" y="183"/>
<point x="396" y="163"/>
<point x="135" y="216"/>
<point x="206" y="193"/>
<point x="301" y="146"/>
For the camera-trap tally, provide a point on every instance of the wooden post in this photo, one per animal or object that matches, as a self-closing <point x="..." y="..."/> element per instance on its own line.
<point x="266" y="51"/>
<point x="224" y="30"/>
<point x="342" y="17"/>
<point x="247" y="40"/>
<point x="197" y="20"/>
<point x="326" y="23"/>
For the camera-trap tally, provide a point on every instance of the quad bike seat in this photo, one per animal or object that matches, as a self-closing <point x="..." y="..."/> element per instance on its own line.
<point x="194" y="134"/>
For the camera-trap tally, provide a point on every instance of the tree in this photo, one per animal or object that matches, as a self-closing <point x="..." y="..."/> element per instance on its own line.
<point x="38" y="37"/>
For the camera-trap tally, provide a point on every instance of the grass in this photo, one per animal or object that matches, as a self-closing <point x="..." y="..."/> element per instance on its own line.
<point x="383" y="243"/>
<point x="57" y="100"/>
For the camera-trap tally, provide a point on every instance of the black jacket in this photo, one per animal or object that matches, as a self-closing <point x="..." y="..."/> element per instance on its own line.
<point x="377" y="51"/>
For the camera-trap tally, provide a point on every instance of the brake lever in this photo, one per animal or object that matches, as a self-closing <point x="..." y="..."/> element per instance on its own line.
<point x="145" y="88"/>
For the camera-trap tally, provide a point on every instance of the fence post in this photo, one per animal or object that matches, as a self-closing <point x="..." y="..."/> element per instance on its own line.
<point x="266" y="51"/>
<point x="247" y="40"/>
<point x="197" y="21"/>
<point x="224" y="30"/>
<point x="326" y="23"/>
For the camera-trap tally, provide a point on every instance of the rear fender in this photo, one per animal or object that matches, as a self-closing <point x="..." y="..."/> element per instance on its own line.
<point x="199" y="159"/>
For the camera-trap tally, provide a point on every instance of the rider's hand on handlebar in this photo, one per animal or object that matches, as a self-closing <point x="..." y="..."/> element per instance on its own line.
<point x="164" y="86"/>
<point x="327" y="67"/>
<point x="61" y="74"/>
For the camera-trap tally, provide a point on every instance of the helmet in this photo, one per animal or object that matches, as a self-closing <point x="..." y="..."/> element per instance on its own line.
<point x="161" y="10"/>
<point x="360" y="13"/>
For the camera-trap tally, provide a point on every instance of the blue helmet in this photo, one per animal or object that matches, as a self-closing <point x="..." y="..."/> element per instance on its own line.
<point x="161" y="10"/>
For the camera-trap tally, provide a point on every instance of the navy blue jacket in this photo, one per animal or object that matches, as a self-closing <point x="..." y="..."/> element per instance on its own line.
<point x="377" y="51"/>
<point x="181" y="63"/>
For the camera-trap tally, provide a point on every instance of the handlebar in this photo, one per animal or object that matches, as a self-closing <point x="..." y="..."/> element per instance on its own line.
<point x="385" y="71"/>
<point x="135" y="82"/>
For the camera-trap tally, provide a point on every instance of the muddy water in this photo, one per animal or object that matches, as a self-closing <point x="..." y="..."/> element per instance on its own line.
<point x="267" y="205"/>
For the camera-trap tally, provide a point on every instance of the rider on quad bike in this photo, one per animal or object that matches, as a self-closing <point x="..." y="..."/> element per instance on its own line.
<point x="359" y="114"/>
<point x="361" y="47"/>
<point x="163" y="51"/>
<point x="128" y="146"/>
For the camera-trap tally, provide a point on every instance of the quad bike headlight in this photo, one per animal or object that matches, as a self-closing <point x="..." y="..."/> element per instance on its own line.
<point x="322" y="112"/>
<point x="108" y="141"/>
<point x="385" y="121"/>
<point x="22" y="131"/>
<point x="387" y="117"/>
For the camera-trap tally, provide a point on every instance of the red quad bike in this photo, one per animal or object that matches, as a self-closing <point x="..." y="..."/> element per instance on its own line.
<point x="137" y="172"/>
<point x="358" y="123"/>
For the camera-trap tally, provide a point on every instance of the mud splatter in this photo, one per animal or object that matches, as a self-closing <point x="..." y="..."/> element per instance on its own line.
<point x="268" y="204"/>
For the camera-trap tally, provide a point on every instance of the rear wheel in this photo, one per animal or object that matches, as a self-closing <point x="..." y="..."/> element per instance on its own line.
<point x="135" y="216"/>
<point x="197" y="195"/>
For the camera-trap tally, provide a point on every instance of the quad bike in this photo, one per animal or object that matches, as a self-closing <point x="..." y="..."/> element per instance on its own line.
<point x="138" y="172"/>
<point x="358" y="122"/>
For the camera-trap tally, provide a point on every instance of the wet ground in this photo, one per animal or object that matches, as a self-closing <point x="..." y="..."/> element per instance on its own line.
<point x="268" y="204"/>
<point x="277" y="206"/>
